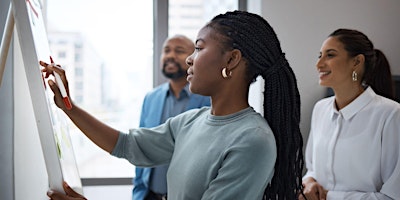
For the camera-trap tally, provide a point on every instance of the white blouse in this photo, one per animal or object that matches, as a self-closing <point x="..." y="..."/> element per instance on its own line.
<point x="354" y="153"/>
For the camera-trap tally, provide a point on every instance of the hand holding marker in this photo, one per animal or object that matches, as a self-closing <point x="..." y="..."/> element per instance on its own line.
<point x="61" y="86"/>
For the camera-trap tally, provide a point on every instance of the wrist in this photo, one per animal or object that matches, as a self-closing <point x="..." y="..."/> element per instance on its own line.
<point x="308" y="180"/>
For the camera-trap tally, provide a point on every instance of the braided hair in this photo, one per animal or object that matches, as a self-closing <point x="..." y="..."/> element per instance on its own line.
<point x="260" y="47"/>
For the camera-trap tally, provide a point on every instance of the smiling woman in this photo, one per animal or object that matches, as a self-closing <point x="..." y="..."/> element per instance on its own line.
<point x="360" y="117"/>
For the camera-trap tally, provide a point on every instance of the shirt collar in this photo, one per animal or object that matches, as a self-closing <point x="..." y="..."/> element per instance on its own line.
<point x="185" y="90"/>
<point x="355" y="106"/>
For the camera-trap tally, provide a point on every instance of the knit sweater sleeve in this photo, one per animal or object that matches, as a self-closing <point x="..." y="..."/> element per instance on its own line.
<point x="146" y="147"/>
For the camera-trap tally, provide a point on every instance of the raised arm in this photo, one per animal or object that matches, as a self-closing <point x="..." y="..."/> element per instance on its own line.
<point x="101" y="134"/>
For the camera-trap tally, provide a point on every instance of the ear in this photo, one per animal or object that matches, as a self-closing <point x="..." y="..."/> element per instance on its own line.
<point x="359" y="60"/>
<point x="234" y="59"/>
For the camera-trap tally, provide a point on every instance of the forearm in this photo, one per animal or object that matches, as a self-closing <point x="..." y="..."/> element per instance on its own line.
<point x="101" y="134"/>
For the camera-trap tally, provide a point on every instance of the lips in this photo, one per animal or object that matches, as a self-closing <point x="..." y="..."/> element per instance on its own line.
<point x="170" y="65"/>
<point x="190" y="74"/>
<point x="321" y="73"/>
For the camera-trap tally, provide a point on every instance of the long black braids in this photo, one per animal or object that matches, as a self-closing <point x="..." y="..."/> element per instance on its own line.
<point x="260" y="47"/>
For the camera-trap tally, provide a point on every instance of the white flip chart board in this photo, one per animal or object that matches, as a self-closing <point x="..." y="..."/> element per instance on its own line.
<point x="51" y="121"/>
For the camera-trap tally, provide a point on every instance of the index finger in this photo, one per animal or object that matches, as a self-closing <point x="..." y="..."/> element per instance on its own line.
<point x="44" y="64"/>
<point x="49" y="68"/>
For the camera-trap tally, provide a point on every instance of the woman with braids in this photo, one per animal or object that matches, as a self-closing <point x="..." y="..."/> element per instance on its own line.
<point x="226" y="151"/>
<point x="353" y="151"/>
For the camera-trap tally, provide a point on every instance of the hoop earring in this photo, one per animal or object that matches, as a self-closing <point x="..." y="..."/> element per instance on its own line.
<point x="354" y="76"/>
<point x="224" y="73"/>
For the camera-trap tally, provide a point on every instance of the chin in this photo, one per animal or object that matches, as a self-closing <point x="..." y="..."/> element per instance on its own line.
<point x="192" y="88"/>
<point x="323" y="83"/>
<point x="195" y="90"/>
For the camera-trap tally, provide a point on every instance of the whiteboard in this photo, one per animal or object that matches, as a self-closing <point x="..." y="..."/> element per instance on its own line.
<point x="50" y="120"/>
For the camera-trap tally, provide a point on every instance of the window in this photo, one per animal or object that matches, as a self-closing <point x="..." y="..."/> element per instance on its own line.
<point x="110" y="69"/>
<point x="109" y="53"/>
<point x="78" y="71"/>
<point x="188" y="16"/>
<point x="61" y="54"/>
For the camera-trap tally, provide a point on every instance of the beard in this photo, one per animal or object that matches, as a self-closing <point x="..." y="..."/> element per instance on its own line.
<point x="174" y="75"/>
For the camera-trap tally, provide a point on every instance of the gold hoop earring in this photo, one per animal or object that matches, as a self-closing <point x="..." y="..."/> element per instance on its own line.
<point x="224" y="74"/>
<point x="354" y="76"/>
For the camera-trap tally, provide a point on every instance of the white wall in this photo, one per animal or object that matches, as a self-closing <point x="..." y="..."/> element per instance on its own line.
<point x="303" y="25"/>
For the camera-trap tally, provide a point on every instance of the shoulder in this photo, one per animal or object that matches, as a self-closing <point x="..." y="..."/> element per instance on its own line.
<point x="384" y="104"/>
<point x="325" y="104"/>
<point x="163" y="88"/>
<point x="385" y="108"/>
<point x="192" y="114"/>
<point x="189" y="118"/>
<point x="325" y="101"/>
<point x="157" y="94"/>
<point x="252" y="128"/>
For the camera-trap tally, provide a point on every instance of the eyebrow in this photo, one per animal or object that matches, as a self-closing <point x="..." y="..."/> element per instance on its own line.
<point x="177" y="47"/>
<point x="329" y="50"/>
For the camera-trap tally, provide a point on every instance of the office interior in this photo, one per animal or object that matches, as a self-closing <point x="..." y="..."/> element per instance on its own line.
<point x="301" y="26"/>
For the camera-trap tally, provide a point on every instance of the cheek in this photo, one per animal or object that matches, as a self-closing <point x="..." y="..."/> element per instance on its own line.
<point x="206" y="71"/>
<point x="342" y="69"/>
<point x="206" y="76"/>
<point x="341" y="73"/>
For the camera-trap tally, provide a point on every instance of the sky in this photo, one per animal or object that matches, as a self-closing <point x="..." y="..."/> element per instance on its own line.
<point x="119" y="32"/>
<point x="115" y="28"/>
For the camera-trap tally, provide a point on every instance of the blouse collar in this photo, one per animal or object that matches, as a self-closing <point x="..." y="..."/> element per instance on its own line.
<point x="356" y="105"/>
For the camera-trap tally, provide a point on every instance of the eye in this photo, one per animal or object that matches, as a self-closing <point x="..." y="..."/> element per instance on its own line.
<point x="197" y="49"/>
<point x="180" y="52"/>
<point x="329" y="55"/>
<point x="166" y="51"/>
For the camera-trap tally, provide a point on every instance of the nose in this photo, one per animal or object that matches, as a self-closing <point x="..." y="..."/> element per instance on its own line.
<point x="189" y="60"/>
<point x="319" y="63"/>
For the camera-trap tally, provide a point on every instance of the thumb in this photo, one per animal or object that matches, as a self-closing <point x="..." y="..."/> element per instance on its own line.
<point x="70" y="192"/>
<point x="55" y="195"/>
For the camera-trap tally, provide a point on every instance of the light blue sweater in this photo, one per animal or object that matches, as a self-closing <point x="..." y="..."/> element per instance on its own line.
<point x="211" y="157"/>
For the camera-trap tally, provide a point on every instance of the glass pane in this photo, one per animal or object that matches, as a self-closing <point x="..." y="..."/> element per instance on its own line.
<point x="106" y="48"/>
<point x="188" y="16"/>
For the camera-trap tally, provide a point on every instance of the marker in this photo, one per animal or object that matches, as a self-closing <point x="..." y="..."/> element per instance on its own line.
<point x="61" y="86"/>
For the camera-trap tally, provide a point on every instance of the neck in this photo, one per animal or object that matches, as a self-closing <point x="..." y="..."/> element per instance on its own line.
<point x="177" y="85"/>
<point x="344" y="97"/>
<point x="229" y="102"/>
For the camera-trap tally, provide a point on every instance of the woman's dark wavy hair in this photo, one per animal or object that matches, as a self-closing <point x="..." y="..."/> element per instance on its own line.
<point x="377" y="69"/>
<point x="260" y="47"/>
